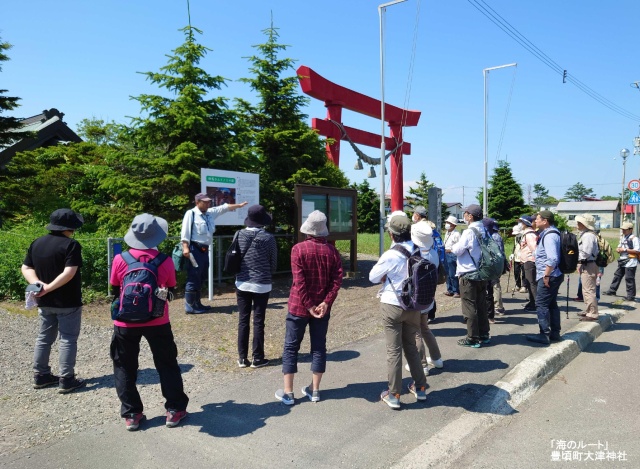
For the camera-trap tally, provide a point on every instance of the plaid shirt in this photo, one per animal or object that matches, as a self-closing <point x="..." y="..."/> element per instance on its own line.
<point x="317" y="275"/>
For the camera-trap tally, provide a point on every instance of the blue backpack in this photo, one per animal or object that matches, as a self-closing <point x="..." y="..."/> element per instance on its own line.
<point x="138" y="301"/>
<point x="439" y="245"/>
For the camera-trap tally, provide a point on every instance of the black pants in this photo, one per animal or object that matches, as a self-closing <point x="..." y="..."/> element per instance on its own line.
<point x="491" y="309"/>
<point x="518" y="274"/>
<point x="629" y="274"/>
<point x="259" y="302"/>
<point x="530" y="282"/>
<point x="125" y="349"/>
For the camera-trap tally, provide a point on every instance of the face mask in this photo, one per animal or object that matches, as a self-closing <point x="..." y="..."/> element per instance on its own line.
<point x="521" y="225"/>
<point x="447" y="226"/>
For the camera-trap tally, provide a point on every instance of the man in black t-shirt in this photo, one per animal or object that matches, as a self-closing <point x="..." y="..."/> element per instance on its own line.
<point x="53" y="261"/>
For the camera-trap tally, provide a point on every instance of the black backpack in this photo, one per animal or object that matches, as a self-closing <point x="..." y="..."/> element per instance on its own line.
<point x="138" y="301"/>
<point x="418" y="290"/>
<point x="568" y="251"/>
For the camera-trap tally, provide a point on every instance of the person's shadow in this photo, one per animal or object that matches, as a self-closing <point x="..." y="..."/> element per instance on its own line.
<point x="231" y="419"/>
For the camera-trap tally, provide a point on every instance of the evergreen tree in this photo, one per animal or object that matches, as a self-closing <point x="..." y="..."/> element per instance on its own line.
<point x="578" y="191"/>
<point x="541" y="194"/>
<point x="420" y="195"/>
<point x="506" y="203"/>
<point x="7" y="103"/>
<point x="286" y="150"/>
<point x="368" y="208"/>
<point x="190" y="131"/>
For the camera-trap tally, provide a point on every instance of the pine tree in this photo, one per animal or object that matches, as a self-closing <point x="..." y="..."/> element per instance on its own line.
<point x="368" y="208"/>
<point x="7" y="103"/>
<point x="286" y="150"/>
<point x="578" y="191"/>
<point x="506" y="203"/>
<point x="420" y="195"/>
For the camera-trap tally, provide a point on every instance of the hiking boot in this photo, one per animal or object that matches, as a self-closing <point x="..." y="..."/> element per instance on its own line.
<point x="610" y="293"/>
<point x="435" y="363"/>
<point x="467" y="342"/>
<point x="420" y="393"/>
<point x="191" y="300"/>
<point x="539" y="339"/>
<point x="243" y="363"/>
<point x="259" y="362"/>
<point x="70" y="384"/>
<point x="630" y="298"/>
<point x="133" y="421"/>
<point x="174" y="417"/>
<point x="485" y="339"/>
<point x="555" y="337"/>
<point x="43" y="381"/>
<point x="392" y="400"/>
<point x="312" y="394"/>
<point x="425" y="369"/>
<point x="285" y="397"/>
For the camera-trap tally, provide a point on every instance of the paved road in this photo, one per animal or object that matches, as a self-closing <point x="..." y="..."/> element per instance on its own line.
<point x="586" y="416"/>
<point x="240" y="424"/>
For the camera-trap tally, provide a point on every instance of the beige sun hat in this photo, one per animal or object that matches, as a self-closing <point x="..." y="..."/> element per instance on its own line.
<point x="315" y="224"/>
<point x="587" y="220"/>
<point x="452" y="219"/>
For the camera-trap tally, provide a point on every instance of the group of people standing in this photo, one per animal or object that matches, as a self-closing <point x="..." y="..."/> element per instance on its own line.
<point x="53" y="264"/>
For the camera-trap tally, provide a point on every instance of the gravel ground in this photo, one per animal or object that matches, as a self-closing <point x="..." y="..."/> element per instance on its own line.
<point x="206" y="353"/>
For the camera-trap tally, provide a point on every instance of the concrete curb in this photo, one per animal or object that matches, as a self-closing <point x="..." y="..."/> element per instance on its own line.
<point x="506" y="395"/>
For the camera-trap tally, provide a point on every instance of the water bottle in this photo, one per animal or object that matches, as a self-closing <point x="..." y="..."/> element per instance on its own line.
<point x="598" y="281"/>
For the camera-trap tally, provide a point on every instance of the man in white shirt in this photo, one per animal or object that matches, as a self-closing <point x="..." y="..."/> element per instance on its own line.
<point x="473" y="293"/>
<point x="629" y="250"/>
<point x="451" y="237"/>
<point x="400" y="325"/>
<point x="587" y="268"/>
<point x="198" y="226"/>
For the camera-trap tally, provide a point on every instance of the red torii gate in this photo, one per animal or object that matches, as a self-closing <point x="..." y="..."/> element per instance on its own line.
<point x="336" y="98"/>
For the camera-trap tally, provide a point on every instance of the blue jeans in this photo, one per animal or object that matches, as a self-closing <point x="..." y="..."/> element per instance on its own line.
<point x="295" y="328"/>
<point x="453" y="284"/>
<point x="197" y="275"/>
<point x="66" y="321"/>
<point x="547" y="305"/>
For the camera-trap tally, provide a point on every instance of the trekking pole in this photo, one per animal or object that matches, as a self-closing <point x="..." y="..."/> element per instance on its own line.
<point x="509" y="278"/>
<point x="568" y="281"/>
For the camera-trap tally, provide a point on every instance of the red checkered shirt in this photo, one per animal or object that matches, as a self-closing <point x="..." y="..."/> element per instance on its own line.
<point x="317" y="275"/>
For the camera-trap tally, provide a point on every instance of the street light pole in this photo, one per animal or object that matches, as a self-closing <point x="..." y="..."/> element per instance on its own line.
<point x="624" y="153"/>
<point x="485" y="74"/>
<point x="381" y="11"/>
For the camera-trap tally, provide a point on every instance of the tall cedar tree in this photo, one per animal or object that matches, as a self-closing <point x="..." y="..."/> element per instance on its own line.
<point x="179" y="135"/>
<point x="286" y="150"/>
<point x="7" y="103"/>
<point x="368" y="208"/>
<point x="506" y="203"/>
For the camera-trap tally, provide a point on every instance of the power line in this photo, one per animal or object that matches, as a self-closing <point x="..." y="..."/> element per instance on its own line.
<point x="511" y="31"/>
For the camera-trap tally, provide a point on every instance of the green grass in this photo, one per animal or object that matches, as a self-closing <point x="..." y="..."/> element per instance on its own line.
<point x="368" y="243"/>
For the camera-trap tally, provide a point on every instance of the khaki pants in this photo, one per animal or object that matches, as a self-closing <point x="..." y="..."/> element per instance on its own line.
<point x="588" y="278"/>
<point x="426" y="336"/>
<point x="400" y="328"/>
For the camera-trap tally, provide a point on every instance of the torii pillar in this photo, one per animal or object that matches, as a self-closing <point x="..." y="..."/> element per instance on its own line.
<point x="336" y="98"/>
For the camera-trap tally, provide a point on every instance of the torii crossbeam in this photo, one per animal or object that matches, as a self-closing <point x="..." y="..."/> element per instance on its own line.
<point x="336" y="98"/>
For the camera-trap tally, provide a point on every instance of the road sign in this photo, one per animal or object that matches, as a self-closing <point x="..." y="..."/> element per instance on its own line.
<point x="634" y="199"/>
<point x="634" y="185"/>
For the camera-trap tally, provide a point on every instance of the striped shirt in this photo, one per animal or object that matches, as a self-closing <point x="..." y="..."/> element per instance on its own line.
<point x="259" y="262"/>
<point x="317" y="275"/>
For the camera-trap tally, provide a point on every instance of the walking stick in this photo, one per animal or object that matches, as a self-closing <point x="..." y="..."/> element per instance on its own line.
<point x="509" y="278"/>
<point x="568" y="281"/>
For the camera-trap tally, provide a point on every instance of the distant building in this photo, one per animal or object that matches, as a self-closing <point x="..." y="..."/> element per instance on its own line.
<point x="48" y="129"/>
<point x="455" y="209"/>
<point x="606" y="212"/>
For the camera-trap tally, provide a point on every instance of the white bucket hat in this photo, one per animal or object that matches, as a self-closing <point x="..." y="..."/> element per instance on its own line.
<point x="452" y="219"/>
<point x="422" y="235"/>
<point x="315" y="224"/>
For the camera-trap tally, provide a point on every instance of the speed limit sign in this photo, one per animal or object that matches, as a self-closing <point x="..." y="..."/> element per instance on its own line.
<point x="634" y="185"/>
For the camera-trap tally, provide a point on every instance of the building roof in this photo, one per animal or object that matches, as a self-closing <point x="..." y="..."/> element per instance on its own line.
<point x="48" y="129"/>
<point x="589" y="206"/>
<point x="452" y="204"/>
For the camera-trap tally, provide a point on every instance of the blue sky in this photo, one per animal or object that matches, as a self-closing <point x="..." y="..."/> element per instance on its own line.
<point x="82" y="57"/>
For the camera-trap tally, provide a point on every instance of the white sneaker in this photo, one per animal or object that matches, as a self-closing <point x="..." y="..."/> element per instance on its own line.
<point x="523" y="290"/>
<point x="437" y="363"/>
<point x="425" y="369"/>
